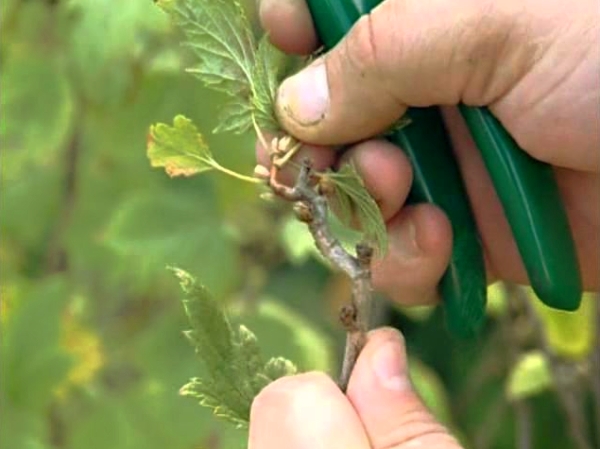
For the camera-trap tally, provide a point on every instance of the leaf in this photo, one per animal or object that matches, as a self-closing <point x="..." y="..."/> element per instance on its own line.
<point x="41" y="190"/>
<point x="236" y="372"/>
<point x="32" y="361"/>
<point x="398" y="125"/>
<point x="431" y="389"/>
<point x="570" y="334"/>
<point x="151" y="414"/>
<point x="417" y="313"/>
<point x="185" y="228"/>
<point x="210" y="328"/>
<point x="105" y="42"/>
<point x="22" y="429"/>
<point x="220" y="35"/>
<point x="297" y="241"/>
<point x="283" y="331"/>
<point x="209" y="395"/>
<point x="232" y="60"/>
<point x="180" y="148"/>
<point x="497" y="302"/>
<point x="235" y="116"/>
<point x="270" y="68"/>
<point x="354" y="203"/>
<point x="278" y="367"/>
<point x="529" y="376"/>
<point x="37" y="108"/>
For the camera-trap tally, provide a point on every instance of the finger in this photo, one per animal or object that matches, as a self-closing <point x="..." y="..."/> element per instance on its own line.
<point x="420" y="244"/>
<point x="392" y="413"/>
<point x="406" y="53"/>
<point x="289" y="25"/>
<point x="304" y="412"/>
<point x="386" y="172"/>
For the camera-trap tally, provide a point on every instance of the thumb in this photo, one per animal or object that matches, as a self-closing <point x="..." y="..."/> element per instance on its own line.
<point x="406" y="53"/>
<point x="391" y="412"/>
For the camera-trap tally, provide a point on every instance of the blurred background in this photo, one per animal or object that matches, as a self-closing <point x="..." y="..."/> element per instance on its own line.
<point x="92" y="349"/>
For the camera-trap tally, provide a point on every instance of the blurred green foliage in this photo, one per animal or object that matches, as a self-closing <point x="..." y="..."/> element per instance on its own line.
<point x="93" y="354"/>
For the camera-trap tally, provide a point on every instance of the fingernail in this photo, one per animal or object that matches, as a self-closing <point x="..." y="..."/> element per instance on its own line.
<point x="388" y="364"/>
<point x="404" y="238"/>
<point x="305" y="96"/>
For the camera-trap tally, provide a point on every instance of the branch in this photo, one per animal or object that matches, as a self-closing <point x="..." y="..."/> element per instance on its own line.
<point x="565" y="378"/>
<point x="311" y="207"/>
<point x="56" y="257"/>
<point x="515" y="345"/>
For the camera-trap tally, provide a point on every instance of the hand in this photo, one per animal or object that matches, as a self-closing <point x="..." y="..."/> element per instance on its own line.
<point x="380" y="410"/>
<point x="533" y="63"/>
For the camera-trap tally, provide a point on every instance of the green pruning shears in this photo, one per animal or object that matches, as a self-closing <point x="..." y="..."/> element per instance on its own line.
<point x="526" y="188"/>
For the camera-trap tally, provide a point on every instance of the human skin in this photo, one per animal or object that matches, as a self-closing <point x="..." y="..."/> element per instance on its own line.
<point x="534" y="64"/>
<point x="538" y="73"/>
<point x="379" y="411"/>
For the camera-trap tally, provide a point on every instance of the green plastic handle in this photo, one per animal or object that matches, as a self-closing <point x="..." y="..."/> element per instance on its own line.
<point x="437" y="180"/>
<point x="531" y="201"/>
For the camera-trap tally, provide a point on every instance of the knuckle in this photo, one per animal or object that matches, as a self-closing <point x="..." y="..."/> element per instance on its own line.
<point x="361" y="49"/>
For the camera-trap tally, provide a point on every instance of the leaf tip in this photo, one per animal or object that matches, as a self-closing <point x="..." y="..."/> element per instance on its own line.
<point x="186" y="280"/>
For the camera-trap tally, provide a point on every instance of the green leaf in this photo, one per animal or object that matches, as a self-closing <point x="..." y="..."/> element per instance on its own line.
<point x="173" y="227"/>
<point x="235" y="116"/>
<point x="37" y="109"/>
<point x="32" y="361"/>
<point x="22" y="429"/>
<point x="212" y="396"/>
<point x="41" y="190"/>
<point x="430" y="388"/>
<point x="220" y="35"/>
<point x="417" y="313"/>
<point x="570" y="334"/>
<point x="497" y="302"/>
<point x="283" y="331"/>
<point x="150" y="414"/>
<point x="107" y="44"/>
<point x="211" y="330"/>
<point x="232" y="60"/>
<point x="529" y="376"/>
<point x="297" y="241"/>
<point x="278" y="367"/>
<point x="236" y="372"/>
<point x="270" y="68"/>
<point x="353" y="203"/>
<point x="179" y="149"/>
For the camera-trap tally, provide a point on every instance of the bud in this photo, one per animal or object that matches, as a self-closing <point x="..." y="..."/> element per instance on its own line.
<point x="284" y="144"/>
<point x="364" y="253"/>
<point x="261" y="172"/>
<point x="326" y="186"/>
<point x="274" y="149"/>
<point x="267" y="196"/>
<point x="303" y="212"/>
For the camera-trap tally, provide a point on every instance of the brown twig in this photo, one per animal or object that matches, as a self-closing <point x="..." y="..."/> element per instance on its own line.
<point x="311" y="207"/>
<point x="56" y="257"/>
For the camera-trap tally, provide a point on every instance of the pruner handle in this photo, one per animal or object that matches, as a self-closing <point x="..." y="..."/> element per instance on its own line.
<point x="526" y="188"/>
